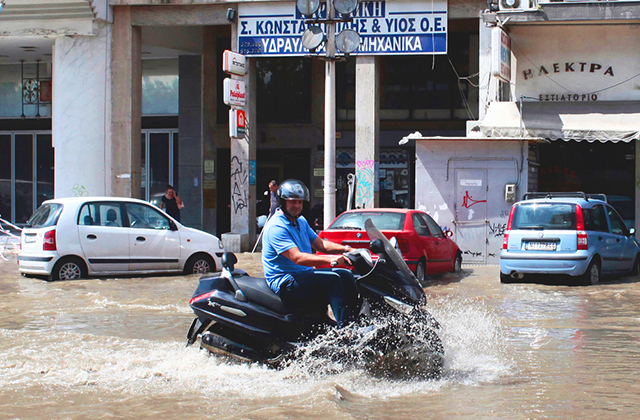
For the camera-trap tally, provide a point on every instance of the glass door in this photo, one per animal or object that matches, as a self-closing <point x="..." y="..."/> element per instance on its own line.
<point x="26" y="174"/>
<point x="159" y="162"/>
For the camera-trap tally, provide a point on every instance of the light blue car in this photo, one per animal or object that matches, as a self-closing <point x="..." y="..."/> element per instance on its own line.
<point x="567" y="233"/>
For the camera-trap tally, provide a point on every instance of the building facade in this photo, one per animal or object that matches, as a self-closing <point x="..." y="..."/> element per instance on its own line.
<point x="572" y="86"/>
<point x="136" y="102"/>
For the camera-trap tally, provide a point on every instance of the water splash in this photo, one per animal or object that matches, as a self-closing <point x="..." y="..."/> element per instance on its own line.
<point x="471" y="334"/>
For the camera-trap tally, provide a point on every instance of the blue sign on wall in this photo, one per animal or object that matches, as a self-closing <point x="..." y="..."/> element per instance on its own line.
<point x="386" y="27"/>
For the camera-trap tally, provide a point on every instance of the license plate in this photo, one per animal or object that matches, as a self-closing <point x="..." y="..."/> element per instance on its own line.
<point x="29" y="239"/>
<point x="540" y="246"/>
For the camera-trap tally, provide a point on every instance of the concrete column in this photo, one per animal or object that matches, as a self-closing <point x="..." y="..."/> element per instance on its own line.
<point x="190" y="159"/>
<point x="367" y="131"/>
<point x="81" y="122"/>
<point x="487" y="91"/>
<point x="210" y="67"/>
<point x="126" y="88"/>
<point x="243" y="167"/>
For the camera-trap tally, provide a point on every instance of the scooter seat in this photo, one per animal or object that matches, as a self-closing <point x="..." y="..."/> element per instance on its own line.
<point x="257" y="290"/>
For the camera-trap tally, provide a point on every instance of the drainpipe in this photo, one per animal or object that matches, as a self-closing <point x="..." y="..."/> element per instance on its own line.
<point x="521" y="119"/>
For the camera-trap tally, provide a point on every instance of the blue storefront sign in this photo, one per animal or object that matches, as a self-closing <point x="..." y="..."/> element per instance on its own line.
<point x="386" y="27"/>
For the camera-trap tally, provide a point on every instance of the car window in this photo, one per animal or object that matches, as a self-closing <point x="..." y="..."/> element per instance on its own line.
<point x="624" y="206"/>
<point x="101" y="214"/>
<point x="47" y="215"/>
<point x="420" y="225"/>
<point x="559" y="216"/>
<point x="381" y="220"/>
<point x="595" y="219"/>
<point x="433" y="226"/>
<point x="617" y="224"/>
<point x="146" y="217"/>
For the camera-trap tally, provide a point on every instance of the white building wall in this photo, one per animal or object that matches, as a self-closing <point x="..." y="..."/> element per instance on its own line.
<point x="599" y="63"/>
<point x="461" y="184"/>
<point x="81" y="122"/>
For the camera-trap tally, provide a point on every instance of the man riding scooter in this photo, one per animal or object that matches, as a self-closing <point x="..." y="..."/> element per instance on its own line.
<point x="288" y="261"/>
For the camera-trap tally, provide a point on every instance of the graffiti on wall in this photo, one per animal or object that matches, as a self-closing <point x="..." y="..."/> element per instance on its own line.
<point x="468" y="201"/>
<point x="365" y="177"/>
<point x="497" y="229"/>
<point x="239" y="194"/>
<point x="79" y="190"/>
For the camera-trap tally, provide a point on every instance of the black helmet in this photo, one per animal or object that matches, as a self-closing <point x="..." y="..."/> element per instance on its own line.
<point x="291" y="189"/>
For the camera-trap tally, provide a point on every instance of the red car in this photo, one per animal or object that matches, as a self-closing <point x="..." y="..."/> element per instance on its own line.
<point x="424" y="246"/>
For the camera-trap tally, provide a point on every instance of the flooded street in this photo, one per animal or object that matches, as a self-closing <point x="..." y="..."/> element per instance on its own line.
<point x="115" y="348"/>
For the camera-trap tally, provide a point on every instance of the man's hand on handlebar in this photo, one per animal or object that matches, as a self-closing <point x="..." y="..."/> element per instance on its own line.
<point x="339" y="260"/>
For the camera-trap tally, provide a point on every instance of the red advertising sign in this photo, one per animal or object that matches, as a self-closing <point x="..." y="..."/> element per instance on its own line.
<point x="237" y="123"/>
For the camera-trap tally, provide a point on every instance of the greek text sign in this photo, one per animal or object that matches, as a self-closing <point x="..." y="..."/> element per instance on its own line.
<point x="386" y="27"/>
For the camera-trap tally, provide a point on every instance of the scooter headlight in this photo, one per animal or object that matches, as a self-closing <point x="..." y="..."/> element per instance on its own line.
<point x="403" y="308"/>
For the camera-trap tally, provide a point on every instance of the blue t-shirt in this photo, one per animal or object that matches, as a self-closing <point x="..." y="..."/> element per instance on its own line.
<point x="280" y="235"/>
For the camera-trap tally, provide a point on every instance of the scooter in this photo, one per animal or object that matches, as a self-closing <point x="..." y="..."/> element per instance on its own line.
<point x="241" y="317"/>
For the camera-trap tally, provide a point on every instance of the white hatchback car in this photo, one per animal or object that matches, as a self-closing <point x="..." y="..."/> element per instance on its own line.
<point x="71" y="238"/>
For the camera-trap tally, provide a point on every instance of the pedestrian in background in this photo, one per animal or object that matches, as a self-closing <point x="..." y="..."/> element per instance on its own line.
<point x="273" y="200"/>
<point x="172" y="203"/>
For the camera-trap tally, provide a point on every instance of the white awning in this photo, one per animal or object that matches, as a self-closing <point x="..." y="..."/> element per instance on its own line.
<point x="591" y="121"/>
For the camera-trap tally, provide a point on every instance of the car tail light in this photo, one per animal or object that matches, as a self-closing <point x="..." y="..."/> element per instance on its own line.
<point x="403" y="244"/>
<point x="49" y="243"/>
<point x="583" y="240"/>
<point x="505" y="239"/>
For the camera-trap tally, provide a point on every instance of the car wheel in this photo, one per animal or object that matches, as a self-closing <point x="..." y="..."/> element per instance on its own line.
<point x="199" y="263"/>
<point x="457" y="264"/>
<point x="635" y="270"/>
<point x="420" y="268"/>
<point x="69" y="268"/>
<point x="506" y="278"/>
<point x="592" y="275"/>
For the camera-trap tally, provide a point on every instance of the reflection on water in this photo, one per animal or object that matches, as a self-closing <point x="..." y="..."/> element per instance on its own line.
<point x="116" y="348"/>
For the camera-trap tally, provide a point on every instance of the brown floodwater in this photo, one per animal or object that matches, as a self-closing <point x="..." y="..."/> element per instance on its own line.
<point x="111" y="348"/>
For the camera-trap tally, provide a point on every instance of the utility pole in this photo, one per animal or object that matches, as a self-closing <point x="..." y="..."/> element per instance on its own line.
<point x="330" y="120"/>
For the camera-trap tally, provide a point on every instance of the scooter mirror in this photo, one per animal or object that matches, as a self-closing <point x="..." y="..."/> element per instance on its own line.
<point x="377" y="246"/>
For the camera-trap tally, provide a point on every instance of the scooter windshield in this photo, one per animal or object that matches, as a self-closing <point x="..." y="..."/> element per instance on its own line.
<point x="391" y="252"/>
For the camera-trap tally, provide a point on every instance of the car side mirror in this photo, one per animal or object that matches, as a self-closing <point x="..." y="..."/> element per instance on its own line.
<point x="632" y="232"/>
<point x="172" y="225"/>
<point x="377" y="246"/>
<point x="448" y="233"/>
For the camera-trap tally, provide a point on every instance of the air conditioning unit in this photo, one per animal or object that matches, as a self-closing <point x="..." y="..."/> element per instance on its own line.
<point x="517" y="5"/>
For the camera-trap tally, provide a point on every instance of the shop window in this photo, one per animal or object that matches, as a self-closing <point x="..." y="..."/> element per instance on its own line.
<point x="426" y="87"/>
<point x="26" y="174"/>
<point x="5" y="176"/>
<point x="25" y="88"/>
<point x="44" y="162"/>
<point x="10" y="97"/>
<point x="394" y="177"/>
<point x="23" y="177"/>
<point x="284" y="89"/>
<point x="160" y="87"/>
<point x="346" y="90"/>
